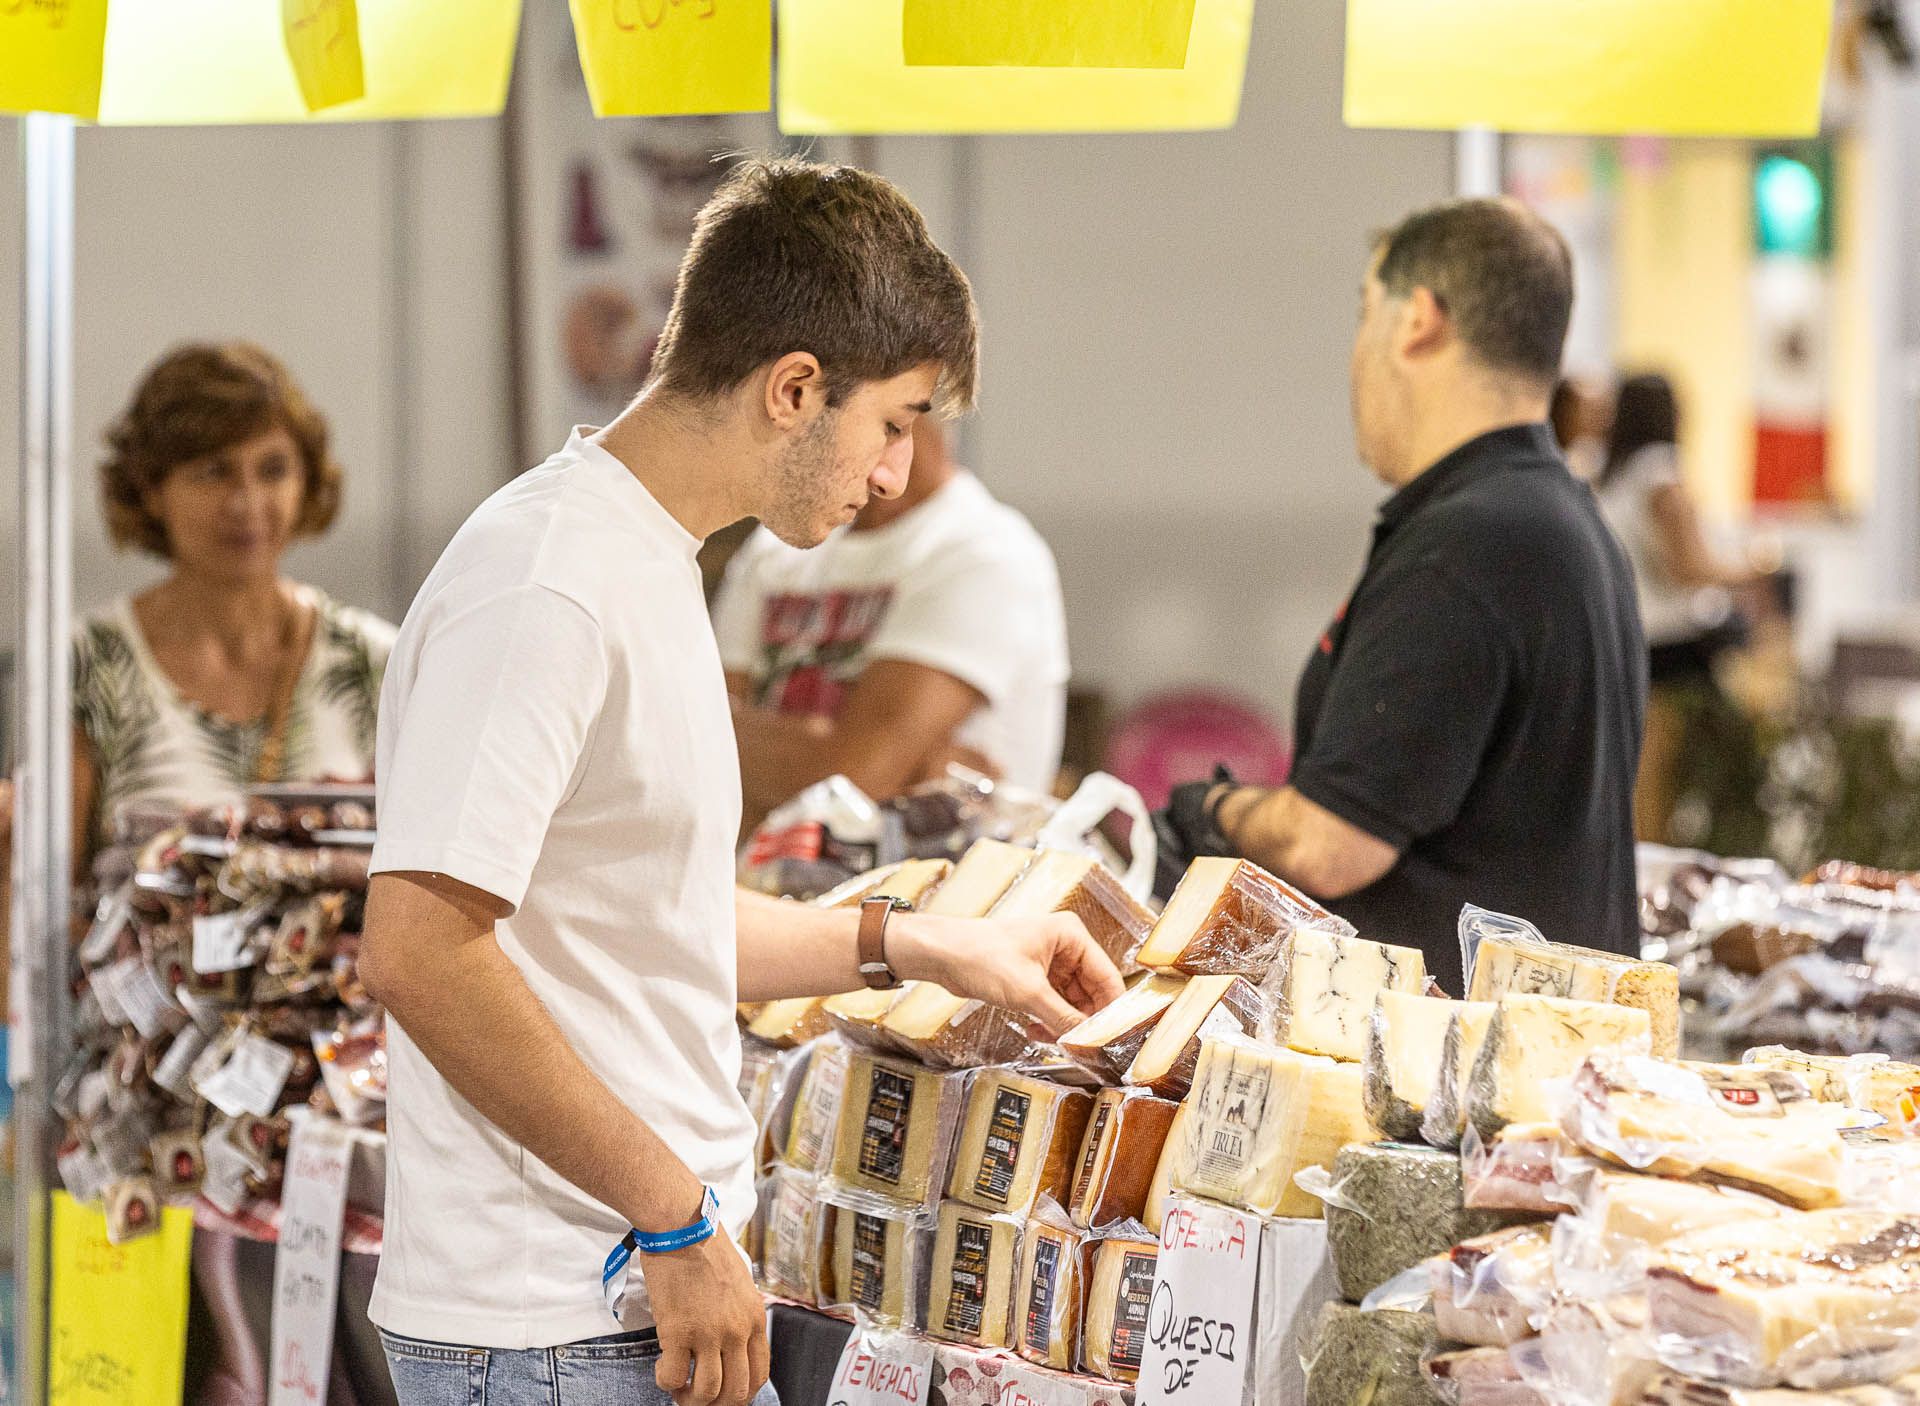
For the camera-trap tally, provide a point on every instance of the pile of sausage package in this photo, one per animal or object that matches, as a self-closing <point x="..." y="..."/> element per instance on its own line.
<point x="1830" y="963"/>
<point x="215" y="1000"/>
<point x="1523" y="1196"/>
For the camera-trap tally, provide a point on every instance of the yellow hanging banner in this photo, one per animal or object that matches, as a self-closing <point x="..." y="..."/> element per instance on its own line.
<point x="842" y="70"/>
<point x="323" y="40"/>
<point x="656" y="58"/>
<point x="1694" y="68"/>
<point x="51" y="56"/>
<point x="1086" y="34"/>
<point x="118" y="1321"/>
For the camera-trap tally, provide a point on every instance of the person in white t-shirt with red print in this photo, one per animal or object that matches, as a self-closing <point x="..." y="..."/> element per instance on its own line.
<point x="929" y="630"/>
<point x="552" y="923"/>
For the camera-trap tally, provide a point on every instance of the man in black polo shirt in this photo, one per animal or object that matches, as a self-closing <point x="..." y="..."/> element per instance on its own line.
<point x="1467" y="730"/>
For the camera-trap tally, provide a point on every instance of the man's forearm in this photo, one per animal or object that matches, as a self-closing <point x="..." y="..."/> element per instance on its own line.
<point x="1303" y="843"/>
<point x="792" y="949"/>
<point x="471" y="1013"/>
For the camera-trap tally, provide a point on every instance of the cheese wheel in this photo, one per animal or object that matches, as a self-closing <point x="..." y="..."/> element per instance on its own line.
<point x="1018" y="1141"/>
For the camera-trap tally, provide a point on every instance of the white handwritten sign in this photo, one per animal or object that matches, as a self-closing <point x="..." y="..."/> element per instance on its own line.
<point x="1200" y="1323"/>
<point x="878" y="1369"/>
<point x="306" y="1271"/>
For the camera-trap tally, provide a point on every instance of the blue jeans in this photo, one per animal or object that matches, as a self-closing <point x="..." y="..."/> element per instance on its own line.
<point x="610" y="1371"/>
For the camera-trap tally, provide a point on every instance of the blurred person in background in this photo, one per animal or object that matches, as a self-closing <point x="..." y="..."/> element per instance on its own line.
<point x="1582" y="418"/>
<point x="1686" y="589"/>
<point x="930" y="630"/>
<point x="223" y="674"/>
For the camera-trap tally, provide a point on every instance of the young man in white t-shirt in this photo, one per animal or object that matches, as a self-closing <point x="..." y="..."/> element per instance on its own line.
<point x="552" y="924"/>
<point x="929" y="629"/>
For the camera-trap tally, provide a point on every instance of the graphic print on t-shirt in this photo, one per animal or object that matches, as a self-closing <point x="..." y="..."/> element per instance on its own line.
<point x="812" y="645"/>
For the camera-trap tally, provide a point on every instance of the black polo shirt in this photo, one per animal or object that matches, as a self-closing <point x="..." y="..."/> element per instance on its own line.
<point x="1477" y="704"/>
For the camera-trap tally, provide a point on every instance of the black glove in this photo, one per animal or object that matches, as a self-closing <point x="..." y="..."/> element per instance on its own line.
<point x="1186" y="829"/>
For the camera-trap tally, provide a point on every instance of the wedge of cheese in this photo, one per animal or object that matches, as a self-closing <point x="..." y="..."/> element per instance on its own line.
<point x="1406" y="1050"/>
<point x="1444" y="1123"/>
<point x="1118" y="1157"/>
<point x="911" y="881"/>
<point x="1160" y="1189"/>
<point x="1018" y="1141"/>
<point x="932" y="1024"/>
<point x="970" y="1293"/>
<point x="1050" y="1296"/>
<point x="1119" y="1297"/>
<point x="873" y="1268"/>
<point x="1535" y="1039"/>
<point x="1507" y="966"/>
<point x="1872" y="1082"/>
<point x="1107" y="1041"/>
<point x="1256" y="1117"/>
<point x="790" y="1022"/>
<point x="1227" y="916"/>
<point x="816" y="1110"/>
<point x="896" y="1128"/>
<point x="985" y="872"/>
<point x="1739" y="1125"/>
<point x="856" y="1016"/>
<point x="791" y="1245"/>
<point x="1208" y="1007"/>
<point x="1061" y="882"/>
<point x="1828" y="1298"/>
<point x="1323" y="986"/>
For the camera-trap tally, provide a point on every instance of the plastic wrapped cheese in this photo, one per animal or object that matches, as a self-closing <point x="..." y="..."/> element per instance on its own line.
<point x="816" y="1112"/>
<point x="1509" y="957"/>
<point x="1533" y="1040"/>
<point x="932" y="1024"/>
<point x="1323" y="986"/>
<point x="880" y="1251"/>
<point x="1480" y="1376"/>
<point x="1485" y="1290"/>
<point x="1523" y="1167"/>
<point x="1406" y="1050"/>
<point x="911" y="881"/>
<point x="897" y="1122"/>
<point x="1208" y="1007"/>
<point x="1107" y="1041"/>
<point x="790" y="1022"/>
<point x="1229" y="916"/>
<point x="1160" y="1188"/>
<point x="1118" y="1156"/>
<point x="976" y="1255"/>
<point x="856" y="1015"/>
<point x="1445" y="1121"/>
<point x="1675" y="1389"/>
<point x="1875" y="1083"/>
<point x="1359" y="1357"/>
<point x="1017" y="1142"/>
<point x="1814" y="1299"/>
<point x="1049" y="1296"/>
<point x="985" y="872"/>
<point x="791" y="1241"/>
<point x="1059" y="881"/>
<point x="1119" y="1298"/>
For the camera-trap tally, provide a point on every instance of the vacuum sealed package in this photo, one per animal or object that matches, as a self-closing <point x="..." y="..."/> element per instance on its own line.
<point x="1588" y="1353"/>
<point x="855" y="1016"/>
<point x="880" y="1256"/>
<point x="792" y="1247"/>
<point x="897" y="1122"/>
<point x="1603" y="1245"/>
<point x="1815" y="1299"/>
<point x="1126" y="1135"/>
<point x="789" y="1022"/>
<point x="1739" y="1125"/>
<point x="1524" y="1167"/>
<point x="1018" y="1141"/>
<point x="1207" y="1007"/>
<point x="1444" y="1123"/>
<point x="1160" y="1187"/>
<point x="1323" y="985"/>
<point x="931" y="1024"/>
<point x="816" y="1110"/>
<point x="1881" y="1173"/>
<point x="976" y="1257"/>
<point x="1486" y="1290"/>
<point x="1674" y="1389"/>
<point x="1406" y="1051"/>
<point x="1229" y="917"/>
<point x="982" y="877"/>
<point x="1106" y="1042"/>
<point x="1881" y="1086"/>
<point x="973" y="1376"/>
<point x="1063" y="881"/>
<point x="353" y="1064"/>
<point x="1373" y="1356"/>
<point x="1479" y="1376"/>
<point x="1050" y="1292"/>
<point x="1122" y="1262"/>
<point x="1508" y="956"/>
<point x="1535" y="1040"/>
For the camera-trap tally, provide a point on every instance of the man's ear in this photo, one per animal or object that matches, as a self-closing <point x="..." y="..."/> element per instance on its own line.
<point x="1423" y="325"/>
<point x="796" y="390"/>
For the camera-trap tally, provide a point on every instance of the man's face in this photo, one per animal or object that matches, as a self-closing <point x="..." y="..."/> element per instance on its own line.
<point x="861" y="449"/>
<point x="1371" y="375"/>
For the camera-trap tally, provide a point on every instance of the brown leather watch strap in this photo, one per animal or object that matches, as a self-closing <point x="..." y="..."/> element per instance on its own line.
<point x="874" y="970"/>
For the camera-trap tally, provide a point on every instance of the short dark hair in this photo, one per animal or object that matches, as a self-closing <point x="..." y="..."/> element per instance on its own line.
<point x="1502" y="274"/>
<point x="197" y="400"/>
<point x="794" y="256"/>
<point x="1645" y="413"/>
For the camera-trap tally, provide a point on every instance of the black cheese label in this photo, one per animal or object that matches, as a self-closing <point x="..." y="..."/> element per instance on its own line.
<point x="994" y="1179"/>
<point x="1038" y="1330"/>
<point x="1130" y="1311"/>
<point x="972" y="1265"/>
<point x="1083" y="1182"/>
<point x="883" y="1139"/>
<point x="869" y="1287"/>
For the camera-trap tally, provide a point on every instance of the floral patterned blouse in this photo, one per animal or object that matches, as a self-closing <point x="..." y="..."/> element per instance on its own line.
<point x="152" y="745"/>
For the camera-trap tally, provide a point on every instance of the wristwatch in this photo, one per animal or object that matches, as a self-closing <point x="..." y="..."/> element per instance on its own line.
<point x="874" y="968"/>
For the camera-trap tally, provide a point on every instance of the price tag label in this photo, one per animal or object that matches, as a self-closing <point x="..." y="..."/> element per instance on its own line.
<point x="1200" y="1324"/>
<point x="222" y="941"/>
<point x="306" y="1269"/>
<point x="250" y="1080"/>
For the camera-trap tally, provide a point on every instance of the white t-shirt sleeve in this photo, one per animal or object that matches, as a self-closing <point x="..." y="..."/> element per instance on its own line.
<point x="970" y="615"/>
<point x="737" y="610"/>
<point x="496" y="718"/>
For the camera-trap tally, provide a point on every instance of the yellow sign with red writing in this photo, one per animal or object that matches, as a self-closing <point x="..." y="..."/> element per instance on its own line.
<point x="646" y="58"/>
<point x="118" y="1322"/>
<point x="52" y="54"/>
<point x="323" y="40"/>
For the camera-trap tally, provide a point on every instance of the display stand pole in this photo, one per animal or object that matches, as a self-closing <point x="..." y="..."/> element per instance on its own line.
<point x="42" y="834"/>
<point x="1476" y="162"/>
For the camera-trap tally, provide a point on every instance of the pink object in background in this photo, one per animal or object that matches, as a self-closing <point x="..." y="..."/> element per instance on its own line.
<point x="1176" y="737"/>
